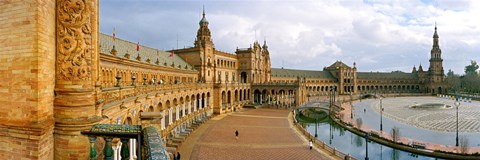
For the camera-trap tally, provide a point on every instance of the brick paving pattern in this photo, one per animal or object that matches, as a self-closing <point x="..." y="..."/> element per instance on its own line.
<point x="263" y="134"/>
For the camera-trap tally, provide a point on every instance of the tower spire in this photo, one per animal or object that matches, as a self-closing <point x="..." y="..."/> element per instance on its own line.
<point x="204" y="12"/>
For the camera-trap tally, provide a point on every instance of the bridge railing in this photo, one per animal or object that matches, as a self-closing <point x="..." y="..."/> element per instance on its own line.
<point x="320" y="144"/>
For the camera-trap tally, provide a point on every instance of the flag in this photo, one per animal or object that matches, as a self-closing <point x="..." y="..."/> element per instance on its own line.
<point x="138" y="46"/>
<point x="171" y="54"/>
<point x="113" y="34"/>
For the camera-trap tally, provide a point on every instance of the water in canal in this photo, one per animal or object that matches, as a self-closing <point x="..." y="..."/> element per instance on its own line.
<point x="349" y="143"/>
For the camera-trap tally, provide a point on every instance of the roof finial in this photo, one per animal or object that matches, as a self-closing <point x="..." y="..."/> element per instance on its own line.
<point x="203" y="11"/>
<point x="435" y="25"/>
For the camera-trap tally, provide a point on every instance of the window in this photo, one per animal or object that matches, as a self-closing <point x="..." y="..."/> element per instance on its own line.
<point x="226" y="76"/>
<point x="219" y="76"/>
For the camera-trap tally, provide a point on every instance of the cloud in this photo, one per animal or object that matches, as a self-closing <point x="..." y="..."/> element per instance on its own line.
<point x="378" y="35"/>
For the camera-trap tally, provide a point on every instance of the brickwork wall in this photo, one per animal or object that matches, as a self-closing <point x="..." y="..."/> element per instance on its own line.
<point x="27" y="59"/>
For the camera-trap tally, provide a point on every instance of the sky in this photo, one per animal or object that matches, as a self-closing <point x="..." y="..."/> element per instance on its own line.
<point x="379" y="36"/>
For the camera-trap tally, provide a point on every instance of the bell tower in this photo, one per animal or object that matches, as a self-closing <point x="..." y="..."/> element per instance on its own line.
<point x="435" y="71"/>
<point x="206" y="50"/>
<point x="203" y="33"/>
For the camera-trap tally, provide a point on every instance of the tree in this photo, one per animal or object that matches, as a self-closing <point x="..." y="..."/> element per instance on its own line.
<point x="450" y="73"/>
<point x="472" y="68"/>
<point x="470" y="82"/>
<point x="453" y="81"/>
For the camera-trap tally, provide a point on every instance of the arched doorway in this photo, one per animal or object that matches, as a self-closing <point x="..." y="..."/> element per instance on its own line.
<point x="256" y="96"/>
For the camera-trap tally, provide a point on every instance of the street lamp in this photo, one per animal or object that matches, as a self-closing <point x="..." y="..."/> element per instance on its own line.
<point x="381" y="115"/>
<point x="457" y="103"/>
<point x="316" y="122"/>
<point x="351" y="106"/>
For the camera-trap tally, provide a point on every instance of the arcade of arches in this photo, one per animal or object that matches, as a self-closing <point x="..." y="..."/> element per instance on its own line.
<point x="67" y="76"/>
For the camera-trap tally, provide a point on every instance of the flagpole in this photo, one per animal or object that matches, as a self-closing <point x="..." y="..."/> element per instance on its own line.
<point x="113" y="37"/>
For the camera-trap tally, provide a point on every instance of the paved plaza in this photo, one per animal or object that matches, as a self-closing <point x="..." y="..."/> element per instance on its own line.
<point x="444" y="120"/>
<point x="263" y="134"/>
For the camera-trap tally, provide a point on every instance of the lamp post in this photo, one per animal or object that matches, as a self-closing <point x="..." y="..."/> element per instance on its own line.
<point x="330" y="98"/>
<point x="351" y="106"/>
<point x="381" y="115"/>
<point x="457" y="103"/>
<point x="316" y="124"/>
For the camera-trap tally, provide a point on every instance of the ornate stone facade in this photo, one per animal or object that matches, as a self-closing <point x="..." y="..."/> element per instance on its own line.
<point x="345" y="80"/>
<point x="61" y="76"/>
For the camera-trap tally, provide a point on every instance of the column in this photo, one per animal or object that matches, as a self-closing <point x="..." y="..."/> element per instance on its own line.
<point x="177" y="112"/>
<point x="183" y="109"/>
<point x="93" y="149"/>
<point x="194" y="105"/>
<point x="278" y="99"/>
<point x="133" y="149"/>
<point x="252" y="98"/>
<point x="189" y="107"/>
<point x="76" y="76"/>
<point x="163" y="120"/>
<point x="116" y="152"/>
<point x="269" y="99"/>
<point x="108" y="152"/>
<point x="261" y="100"/>
<point x="170" y="114"/>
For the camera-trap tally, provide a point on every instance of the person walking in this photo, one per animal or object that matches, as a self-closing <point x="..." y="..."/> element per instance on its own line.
<point x="236" y="135"/>
<point x="310" y="144"/>
<point x="178" y="156"/>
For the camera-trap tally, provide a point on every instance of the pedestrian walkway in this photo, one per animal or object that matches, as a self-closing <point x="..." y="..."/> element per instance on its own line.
<point x="263" y="134"/>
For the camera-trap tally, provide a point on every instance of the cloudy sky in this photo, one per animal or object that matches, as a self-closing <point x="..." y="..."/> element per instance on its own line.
<point x="377" y="35"/>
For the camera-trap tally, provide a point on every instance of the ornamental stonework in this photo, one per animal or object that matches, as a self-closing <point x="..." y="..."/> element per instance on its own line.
<point x="74" y="40"/>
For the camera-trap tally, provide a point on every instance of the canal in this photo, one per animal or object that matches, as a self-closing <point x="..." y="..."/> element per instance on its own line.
<point x="349" y="143"/>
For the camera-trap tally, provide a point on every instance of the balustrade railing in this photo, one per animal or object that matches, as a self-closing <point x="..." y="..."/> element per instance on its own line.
<point x="111" y="94"/>
<point x="130" y="145"/>
<point x="127" y="146"/>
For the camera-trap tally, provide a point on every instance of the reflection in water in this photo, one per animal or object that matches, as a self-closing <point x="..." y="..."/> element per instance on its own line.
<point x="395" y="154"/>
<point x="336" y="136"/>
<point x="358" y="141"/>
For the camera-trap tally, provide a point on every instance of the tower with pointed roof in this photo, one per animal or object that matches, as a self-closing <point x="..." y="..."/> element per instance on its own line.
<point x="267" y="63"/>
<point x="435" y="71"/>
<point x="204" y="37"/>
<point x="206" y="48"/>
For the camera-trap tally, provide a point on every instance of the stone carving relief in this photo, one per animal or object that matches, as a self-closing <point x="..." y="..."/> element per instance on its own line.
<point x="74" y="40"/>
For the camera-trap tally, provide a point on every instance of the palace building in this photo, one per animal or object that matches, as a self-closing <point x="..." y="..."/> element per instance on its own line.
<point x="67" y="77"/>
<point x="346" y="80"/>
